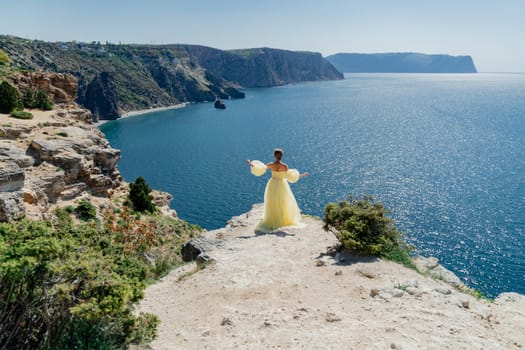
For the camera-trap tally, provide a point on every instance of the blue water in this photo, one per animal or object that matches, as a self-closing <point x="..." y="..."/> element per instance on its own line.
<point x="445" y="153"/>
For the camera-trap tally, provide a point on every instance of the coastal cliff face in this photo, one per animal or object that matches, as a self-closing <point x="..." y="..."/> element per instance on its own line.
<point x="408" y="62"/>
<point x="264" y="67"/>
<point x="114" y="79"/>
<point x="56" y="157"/>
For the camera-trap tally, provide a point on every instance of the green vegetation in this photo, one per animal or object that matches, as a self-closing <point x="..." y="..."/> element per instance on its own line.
<point x="85" y="210"/>
<point x="361" y="225"/>
<point x="4" y="59"/>
<point x="21" y="115"/>
<point x="8" y="97"/>
<point x="37" y="99"/>
<point x="10" y="101"/>
<point x="139" y="195"/>
<point x="73" y="286"/>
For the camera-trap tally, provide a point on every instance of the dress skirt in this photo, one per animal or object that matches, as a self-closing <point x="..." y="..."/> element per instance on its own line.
<point x="280" y="206"/>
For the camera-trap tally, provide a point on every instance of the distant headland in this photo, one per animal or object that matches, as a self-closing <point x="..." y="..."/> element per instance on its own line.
<point x="117" y="78"/>
<point x="402" y="62"/>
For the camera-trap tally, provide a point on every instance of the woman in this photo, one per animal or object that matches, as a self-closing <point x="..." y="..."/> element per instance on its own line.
<point x="280" y="206"/>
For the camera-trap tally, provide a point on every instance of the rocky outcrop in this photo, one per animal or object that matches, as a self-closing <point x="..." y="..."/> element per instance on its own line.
<point x="11" y="176"/>
<point x="58" y="155"/>
<point x="61" y="88"/>
<point x="114" y="79"/>
<point x="403" y="62"/>
<point x="54" y="159"/>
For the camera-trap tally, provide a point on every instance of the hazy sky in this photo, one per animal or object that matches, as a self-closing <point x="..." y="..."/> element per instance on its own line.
<point x="491" y="31"/>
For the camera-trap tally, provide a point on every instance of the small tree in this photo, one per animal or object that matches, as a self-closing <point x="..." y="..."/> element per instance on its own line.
<point x="42" y="101"/>
<point x="139" y="194"/>
<point x="361" y="225"/>
<point x="29" y="98"/>
<point x="9" y="98"/>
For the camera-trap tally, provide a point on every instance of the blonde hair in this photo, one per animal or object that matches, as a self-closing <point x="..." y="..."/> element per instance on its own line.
<point x="278" y="153"/>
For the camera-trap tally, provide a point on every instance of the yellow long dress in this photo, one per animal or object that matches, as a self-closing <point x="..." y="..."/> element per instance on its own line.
<point x="280" y="206"/>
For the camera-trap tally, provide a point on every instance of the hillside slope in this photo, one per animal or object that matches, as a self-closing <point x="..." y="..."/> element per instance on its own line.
<point x="403" y="62"/>
<point x="114" y="78"/>
<point x="280" y="291"/>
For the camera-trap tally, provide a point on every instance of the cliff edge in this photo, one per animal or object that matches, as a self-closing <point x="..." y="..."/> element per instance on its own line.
<point x="287" y="290"/>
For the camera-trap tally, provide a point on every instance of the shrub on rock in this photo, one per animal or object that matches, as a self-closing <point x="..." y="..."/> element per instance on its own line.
<point x="361" y="225"/>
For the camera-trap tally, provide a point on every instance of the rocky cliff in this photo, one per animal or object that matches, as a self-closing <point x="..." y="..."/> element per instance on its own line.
<point x="56" y="157"/>
<point x="114" y="79"/>
<point x="264" y="67"/>
<point x="407" y="62"/>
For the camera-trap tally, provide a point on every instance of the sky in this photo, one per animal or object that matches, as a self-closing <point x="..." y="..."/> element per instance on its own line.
<point x="491" y="31"/>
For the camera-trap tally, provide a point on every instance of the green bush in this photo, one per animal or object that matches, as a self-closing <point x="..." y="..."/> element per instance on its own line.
<point x="139" y="194"/>
<point x="21" y="115"/>
<point x="37" y="99"/>
<point x="85" y="210"/>
<point x="8" y="97"/>
<point x="361" y="225"/>
<point x="42" y="101"/>
<point x="68" y="286"/>
<point x="4" y="59"/>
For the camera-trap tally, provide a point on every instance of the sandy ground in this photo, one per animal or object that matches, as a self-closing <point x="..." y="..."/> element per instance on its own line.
<point x="278" y="291"/>
<point x="38" y="117"/>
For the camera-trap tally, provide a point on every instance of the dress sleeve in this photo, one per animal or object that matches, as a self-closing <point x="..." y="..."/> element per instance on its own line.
<point x="292" y="175"/>
<point x="258" y="168"/>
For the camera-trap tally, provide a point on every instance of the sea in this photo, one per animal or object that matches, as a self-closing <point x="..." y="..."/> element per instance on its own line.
<point x="445" y="153"/>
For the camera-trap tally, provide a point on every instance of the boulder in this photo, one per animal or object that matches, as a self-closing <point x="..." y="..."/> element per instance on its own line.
<point x="106" y="158"/>
<point x="46" y="150"/>
<point x="13" y="132"/>
<point x="17" y="154"/>
<point x="199" y="246"/>
<point x="11" y="206"/>
<point x="431" y="266"/>
<point x="11" y="176"/>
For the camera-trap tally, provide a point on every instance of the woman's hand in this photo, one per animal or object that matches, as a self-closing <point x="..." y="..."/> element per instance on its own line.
<point x="305" y="174"/>
<point x="249" y="163"/>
